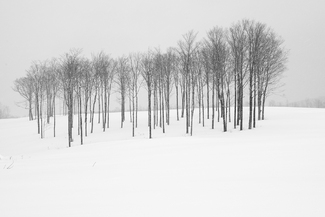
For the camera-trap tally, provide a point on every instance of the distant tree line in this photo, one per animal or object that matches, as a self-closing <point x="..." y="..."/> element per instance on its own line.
<point x="306" y="103"/>
<point x="208" y="77"/>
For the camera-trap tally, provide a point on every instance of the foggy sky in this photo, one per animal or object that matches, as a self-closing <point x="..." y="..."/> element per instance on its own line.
<point x="40" y="30"/>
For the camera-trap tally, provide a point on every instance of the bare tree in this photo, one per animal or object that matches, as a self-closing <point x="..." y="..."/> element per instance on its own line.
<point x="186" y="50"/>
<point x="24" y="86"/>
<point x="86" y="85"/>
<point x="254" y="32"/>
<point x="68" y="75"/>
<point x="206" y="52"/>
<point x="246" y="60"/>
<point x="36" y="74"/>
<point x="96" y="68"/>
<point x="147" y="72"/>
<point x="55" y="84"/>
<point x="160" y="86"/>
<point x="238" y="44"/>
<point x="177" y="80"/>
<point x="4" y="112"/>
<point x="275" y="59"/>
<point x="169" y="68"/>
<point x="121" y="80"/>
<point x="134" y="87"/>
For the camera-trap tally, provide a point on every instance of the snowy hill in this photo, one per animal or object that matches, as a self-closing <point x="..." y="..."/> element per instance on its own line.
<point x="277" y="169"/>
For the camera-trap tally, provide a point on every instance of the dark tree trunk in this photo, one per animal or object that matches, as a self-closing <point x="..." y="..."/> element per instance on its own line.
<point x="208" y="97"/>
<point x="80" y="115"/>
<point x="213" y="110"/>
<point x="93" y="114"/>
<point x="177" y="112"/>
<point x="235" y="100"/>
<point x="54" y="116"/>
<point x="149" y="112"/>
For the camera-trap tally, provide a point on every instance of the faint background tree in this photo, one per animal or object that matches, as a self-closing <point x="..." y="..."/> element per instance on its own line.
<point x="4" y="112"/>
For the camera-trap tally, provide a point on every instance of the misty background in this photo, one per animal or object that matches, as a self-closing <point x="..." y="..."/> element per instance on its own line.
<point x="40" y="30"/>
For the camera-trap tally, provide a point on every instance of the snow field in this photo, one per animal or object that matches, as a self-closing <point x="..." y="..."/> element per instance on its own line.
<point x="277" y="169"/>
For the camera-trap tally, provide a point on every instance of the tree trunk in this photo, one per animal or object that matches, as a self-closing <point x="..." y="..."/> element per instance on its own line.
<point x="93" y="114"/>
<point x="193" y="105"/>
<point x="202" y="106"/>
<point x="38" y="113"/>
<point x="30" y="109"/>
<point x="54" y="116"/>
<point x="235" y="99"/>
<point x="133" y="114"/>
<point x="208" y="97"/>
<point x="149" y="112"/>
<point x="213" y="90"/>
<point x="80" y="115"/>
<point x="99" y="95"/>
<point x="86" y="113"/>
<point x="108" y="103"/>
<point x="177" y="112"/>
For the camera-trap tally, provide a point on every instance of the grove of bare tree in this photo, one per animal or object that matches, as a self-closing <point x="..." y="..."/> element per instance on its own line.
<point x="209" y="78"/>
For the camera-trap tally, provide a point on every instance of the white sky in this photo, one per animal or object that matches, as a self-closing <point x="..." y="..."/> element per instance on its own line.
<point x="39" y="30"/>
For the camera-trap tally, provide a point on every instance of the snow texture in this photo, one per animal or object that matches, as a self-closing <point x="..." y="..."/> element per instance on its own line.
<point x="277" y="169"/>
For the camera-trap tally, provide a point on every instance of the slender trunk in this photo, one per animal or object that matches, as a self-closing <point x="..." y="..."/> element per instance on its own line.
<point x="250" y="121"/>
<point x="254" y="101"/>
<point x="213" y="90"/>
<point x="149" y="111"/>
<point x="163" y="112"/>
<point x="38" y="113"/>
<point x="41" y="117"/>
<point x="193" y="105"/>
<point x="259" y="105"/>
<point x="154" y="106"/>
<point x="241" y="105"/>
<point x="208" y="97"/>
<point x="80" y="115"/>
<point x="98" y="104"/>
<point x="86" y="113"/>
<point x="90" y="103"/>
<point x="30" y="109"/>
<point x="105" y="107"/>
<point x="108" y="103"/>
<point x="160" y="105"/>
<point x="136" y="110"/>
<point x="54" y="118"/>
<point x="202" y="106"/>
<point x="217" y="100"/>
<point x="263" y="101"/>
<point x="183" y="101"/>
<point x="235" y="100"/>
<point x="187" y="95"/>
<point x="199" y="100"/>
<point x="238" y="106"/>
<point x="263" y="106"/>
<point x="70" y="111"/>
<point x="93" y="114"/>
<point x="79" y="112"/>
<point x="130" y="109"/>
<point x="241" y="93"/>
<point x="122" y="108"/>
<point x="49" y="108"/>
<point x="103" y="97"/>
<point x="177" y="102"/>
<point x="133" y="113"/>
<point x="167" y="101"/>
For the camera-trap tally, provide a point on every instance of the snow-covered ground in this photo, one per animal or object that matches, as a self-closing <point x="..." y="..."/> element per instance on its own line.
<point x="277" y="169"/>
